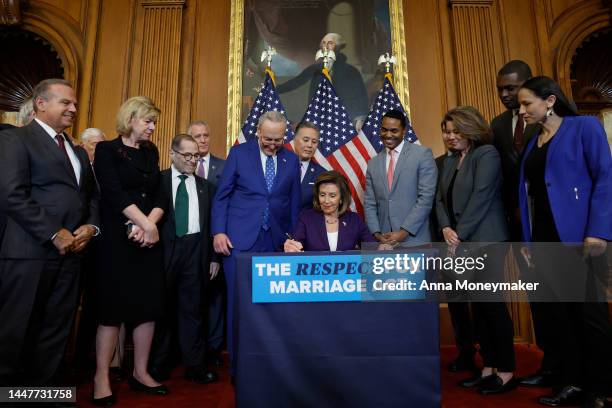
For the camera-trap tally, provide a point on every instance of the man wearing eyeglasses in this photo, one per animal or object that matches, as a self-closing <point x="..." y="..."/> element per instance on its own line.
<point x="257" y="202"/>
<point x="187" y="261"/>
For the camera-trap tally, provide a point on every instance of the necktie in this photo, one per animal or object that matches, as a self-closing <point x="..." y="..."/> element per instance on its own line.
<point x="201" y="171"/>
<point x="181" y="208"/>
<point x="62" y="146"/>
<point x="269" y="176"/>
<point x="391" y="169"/>
<point x="304" y="168"/>
<point x="519" y="130"/>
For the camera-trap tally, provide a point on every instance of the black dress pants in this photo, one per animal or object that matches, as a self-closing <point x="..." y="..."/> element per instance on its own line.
<point x="461" y="318"/>
<point x="216" y="311"/>
<point x="495" y="334"/>
<point x="494" y="327"/>
<point x="183" y="318"/>
<point x="582" y="330"/>
<point x="38" y="299"/>
<point x="543" y="320"/>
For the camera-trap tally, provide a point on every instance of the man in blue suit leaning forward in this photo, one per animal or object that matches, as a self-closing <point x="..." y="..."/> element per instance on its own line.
<point x="257" y="200"/>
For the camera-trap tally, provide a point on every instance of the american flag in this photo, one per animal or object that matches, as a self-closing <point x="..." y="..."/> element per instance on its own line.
<point x="386" y="100"/>
<point x="267" y="100"/>
<point x="341" y="148"/>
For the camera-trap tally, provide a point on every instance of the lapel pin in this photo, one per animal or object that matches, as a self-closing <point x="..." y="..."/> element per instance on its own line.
<point x="344" y="223"/>
<point x="311" y="169"/>
<point x="284" y="160"/>
<point x="214" y="168"/>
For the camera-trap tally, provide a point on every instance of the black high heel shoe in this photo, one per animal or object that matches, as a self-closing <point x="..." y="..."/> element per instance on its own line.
<point x="107" y="401"/>
<point x="136" y="385"/>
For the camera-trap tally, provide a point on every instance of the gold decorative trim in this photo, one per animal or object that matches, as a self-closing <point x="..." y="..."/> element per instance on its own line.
<point x="471" y="2"/>
<point x="234" y="91"/>
<point x="234" y="88"/>
<point x="398" y="45"/>
<point x="162" y="3"/>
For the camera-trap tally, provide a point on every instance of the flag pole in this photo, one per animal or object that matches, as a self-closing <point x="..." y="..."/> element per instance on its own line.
<point x="267" y="55"/>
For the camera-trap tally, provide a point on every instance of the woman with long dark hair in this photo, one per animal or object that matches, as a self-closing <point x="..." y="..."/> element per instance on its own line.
<point x="565" y="196"/>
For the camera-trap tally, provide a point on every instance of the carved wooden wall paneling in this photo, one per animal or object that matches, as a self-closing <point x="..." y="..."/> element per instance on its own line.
<point x="591" y="73"/>
<point x="561" y="28"/>
<point x="157" y="63"/>
<point x="210" y="64"/>
<point x="10" y="12"/>
<point x="32" y="60"/>
<point x="477" y="44"/>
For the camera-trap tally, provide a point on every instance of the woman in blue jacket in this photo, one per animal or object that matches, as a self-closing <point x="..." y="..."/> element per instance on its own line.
<point x="565" y="196"/>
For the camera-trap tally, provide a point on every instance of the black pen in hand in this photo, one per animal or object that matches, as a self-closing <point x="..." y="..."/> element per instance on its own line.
<point x="288" y="235"/>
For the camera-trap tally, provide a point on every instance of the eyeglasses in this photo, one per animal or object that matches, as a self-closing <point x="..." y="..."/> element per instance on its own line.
<point x="188" y="156"/>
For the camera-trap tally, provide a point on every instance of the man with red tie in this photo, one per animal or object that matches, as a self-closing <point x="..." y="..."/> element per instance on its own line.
<point x="400" y="186"/>
<point x="49" y="197"/>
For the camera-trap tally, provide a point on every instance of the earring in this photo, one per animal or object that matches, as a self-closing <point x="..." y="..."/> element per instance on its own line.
<point x="549" y="111"/>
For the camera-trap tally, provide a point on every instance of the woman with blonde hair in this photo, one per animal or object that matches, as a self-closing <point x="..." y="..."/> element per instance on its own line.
<point x="129" y="279"/>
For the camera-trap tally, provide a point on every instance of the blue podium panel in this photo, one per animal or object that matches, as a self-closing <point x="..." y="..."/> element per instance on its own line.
<point x="334" y="354"/>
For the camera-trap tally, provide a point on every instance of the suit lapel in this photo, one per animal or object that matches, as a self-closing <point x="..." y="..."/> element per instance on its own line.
<point x="382" y="167"/>
<point x="281" y="167"/>
<point x="342" y="231"/>
<point x="321" y="229"/>
<point x="257" y="164"/>
<point x="403" y="157"/>
<point x="212" y="168"/>
<point x="309" y="176"/>
<point x="508" y="140"/>
<point x="167" y="183"/>
<point x="52" y="147"/>
<point x="449" y="169"/>
<point x="83" y="161"/>
<point x="202" y="201"/>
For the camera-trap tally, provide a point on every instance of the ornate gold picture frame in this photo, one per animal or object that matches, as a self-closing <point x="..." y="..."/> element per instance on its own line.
<point x="236" y="63"/>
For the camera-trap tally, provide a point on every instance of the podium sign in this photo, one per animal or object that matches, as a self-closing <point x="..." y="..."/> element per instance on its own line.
<point x="338" y="278"/>
<point x="312" y="352"/>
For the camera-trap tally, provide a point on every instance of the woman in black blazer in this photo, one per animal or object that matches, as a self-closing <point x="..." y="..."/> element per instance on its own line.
<point x="470" y="209"/>
<point x="129" y="282"/>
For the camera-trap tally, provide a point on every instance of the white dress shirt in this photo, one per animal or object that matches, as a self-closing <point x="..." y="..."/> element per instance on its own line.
<point x="193" y="226"/>
<point x="76" y="164"/>
<point x="332" y="238"/>
<point x="264" y="157"/>
<point x="303" y="169"/>
<point x="206" y="163"/>
<point x="398" y="151"/>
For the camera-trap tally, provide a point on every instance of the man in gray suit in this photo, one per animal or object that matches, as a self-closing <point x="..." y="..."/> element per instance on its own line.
<point x="211" y="167"/>
<point x="400" y="186"/>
